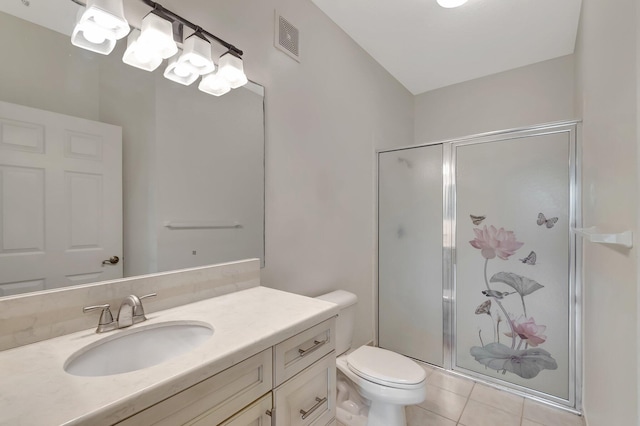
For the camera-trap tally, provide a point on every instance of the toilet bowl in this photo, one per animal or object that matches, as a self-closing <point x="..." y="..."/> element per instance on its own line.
<point x="385" y="380"/>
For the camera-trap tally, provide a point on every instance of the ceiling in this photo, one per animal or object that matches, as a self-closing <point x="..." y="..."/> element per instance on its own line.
<point x="425" y="46"/>
<point x="421" y="44"/>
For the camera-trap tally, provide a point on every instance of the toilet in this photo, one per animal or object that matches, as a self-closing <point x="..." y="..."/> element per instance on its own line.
<point x="384" y="381"/>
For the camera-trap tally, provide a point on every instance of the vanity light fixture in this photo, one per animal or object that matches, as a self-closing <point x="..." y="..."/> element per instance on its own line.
<point x="214" y="84"/>
<point x="196" y="55"/>
<point x="100" y="25"/>
<point x="137" y="56"/>
<point x="147" y="47"/>
<point x="451" y="3"/>
<point x="103" y="23"/>
<point x="180" y="72"/>
<point x="231" y="69"/>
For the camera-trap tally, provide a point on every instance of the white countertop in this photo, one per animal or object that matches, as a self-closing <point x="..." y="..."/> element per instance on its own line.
<point x="35" y="390"/>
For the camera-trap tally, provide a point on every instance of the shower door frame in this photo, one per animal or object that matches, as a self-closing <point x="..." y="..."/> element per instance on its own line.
<point x="574" y="402"/>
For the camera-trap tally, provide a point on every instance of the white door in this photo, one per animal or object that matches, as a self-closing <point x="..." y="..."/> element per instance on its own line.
<point x="60" y="200"/>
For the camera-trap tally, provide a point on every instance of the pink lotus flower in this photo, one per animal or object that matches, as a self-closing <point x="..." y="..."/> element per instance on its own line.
<point x="495" y="242"/>
<point x="527" y="329"/>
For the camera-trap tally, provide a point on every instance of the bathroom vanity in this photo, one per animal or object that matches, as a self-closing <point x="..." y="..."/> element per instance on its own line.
<point x="269" y="361"/>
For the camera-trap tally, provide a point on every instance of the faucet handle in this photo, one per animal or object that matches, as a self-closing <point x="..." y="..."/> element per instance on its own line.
<point x="148" y="295"/>
<point x="106" y="322"/>
<point x="138" y="310"/>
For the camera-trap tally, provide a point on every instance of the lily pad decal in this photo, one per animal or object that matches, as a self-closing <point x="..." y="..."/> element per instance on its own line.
<point x="522" y="285"/>
<point x="525" y="363"/>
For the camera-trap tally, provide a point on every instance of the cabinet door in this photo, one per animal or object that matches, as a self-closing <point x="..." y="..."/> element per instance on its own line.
<point x="219" y="396"/>
<point x="410" y="235"/>
<point x="300" y="351"/>
<point x="310" y="397"/>
<point x="257" y="414"/>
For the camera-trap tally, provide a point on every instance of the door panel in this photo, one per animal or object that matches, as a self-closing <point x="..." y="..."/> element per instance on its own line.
<point x="60" y="200"/>
<point x="410" y="252"/>
<point x="513" y="269"/>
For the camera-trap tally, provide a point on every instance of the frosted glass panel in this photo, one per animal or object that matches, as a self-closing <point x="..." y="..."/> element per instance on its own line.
<point x="512" y="261"/>
<point x="410" y="252"/>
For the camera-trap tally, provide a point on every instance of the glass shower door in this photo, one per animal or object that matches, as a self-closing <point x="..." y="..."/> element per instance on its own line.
<point x="513" y="262"/>
<point x="410" y="232"/>
<point x="477" y="265"/>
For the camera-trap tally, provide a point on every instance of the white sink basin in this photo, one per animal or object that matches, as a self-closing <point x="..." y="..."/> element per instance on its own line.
<point x="138" y="348"/>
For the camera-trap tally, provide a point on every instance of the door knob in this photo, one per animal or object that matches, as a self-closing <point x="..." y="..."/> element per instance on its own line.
<point x="111" y="261"/>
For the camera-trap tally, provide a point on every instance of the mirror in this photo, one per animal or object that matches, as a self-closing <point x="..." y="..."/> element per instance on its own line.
<point x="192" y="163"/>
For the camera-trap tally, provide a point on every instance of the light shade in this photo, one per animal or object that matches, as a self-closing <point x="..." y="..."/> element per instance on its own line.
<point x="179" y="72"/>
<point x="137" y="56"/>
<point x="230" y="68"/>
<point x="214" y="84"/>
<point x="196" y="55"/>
<point x="100" y="25"/>
<point x="451" y="3"/>
<point x="156" y="36"/>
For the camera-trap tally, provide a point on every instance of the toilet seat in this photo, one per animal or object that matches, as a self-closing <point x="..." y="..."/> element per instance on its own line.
<point x="386" y="368"/>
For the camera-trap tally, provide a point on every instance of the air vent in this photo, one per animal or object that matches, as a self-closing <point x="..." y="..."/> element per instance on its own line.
<point x="287" y="38"/>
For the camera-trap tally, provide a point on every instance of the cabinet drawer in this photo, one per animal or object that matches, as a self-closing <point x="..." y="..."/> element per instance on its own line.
<point x="220" y="396"/>
<point x="253" y="415"/>
<point x="310" y="397"/>
<point x="300" y="351"/>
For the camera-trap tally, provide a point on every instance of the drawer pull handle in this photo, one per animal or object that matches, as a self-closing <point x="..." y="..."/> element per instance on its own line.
<point x="319" y="402"/>
<point x="316" y="345"/>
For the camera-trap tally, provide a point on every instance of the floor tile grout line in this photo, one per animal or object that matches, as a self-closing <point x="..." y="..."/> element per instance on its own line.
<point x="465" y="404"/>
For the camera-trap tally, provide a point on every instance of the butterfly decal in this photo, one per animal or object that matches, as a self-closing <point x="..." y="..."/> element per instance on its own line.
<point x="547" y="222"/>
<point x="477" y="220"/>
<point x="496" y="294"/>
<point x="484" y="308"/>
<point x="530" y="260"/>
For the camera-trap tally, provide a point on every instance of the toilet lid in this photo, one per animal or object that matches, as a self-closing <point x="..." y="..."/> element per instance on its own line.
<point x="385" y="367"/>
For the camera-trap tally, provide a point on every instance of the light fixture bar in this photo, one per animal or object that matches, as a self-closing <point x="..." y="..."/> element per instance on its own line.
<point x="191" y="25"/>
<point x="156" y="40"/>
<point x="183" y="21"/>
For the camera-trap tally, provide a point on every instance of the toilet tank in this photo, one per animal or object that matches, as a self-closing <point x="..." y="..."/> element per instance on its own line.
<point x="346" y="317"/>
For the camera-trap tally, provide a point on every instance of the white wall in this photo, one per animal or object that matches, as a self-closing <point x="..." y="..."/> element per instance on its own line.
<point x="535" y="94"/>
<point x="208" y="168"/>
<point x="26" y="79"/>
<point x="638" y="216"/>
<point x="137" y="117"/>
<point x="325" y="116"/>
<point x="607" y="87"/>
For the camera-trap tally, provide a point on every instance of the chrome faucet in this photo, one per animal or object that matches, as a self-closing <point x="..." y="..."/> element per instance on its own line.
<point x="106" y="322"/>
<point x="131" y="310"/>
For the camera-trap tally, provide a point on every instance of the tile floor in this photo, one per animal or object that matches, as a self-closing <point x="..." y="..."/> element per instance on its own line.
<point x="455" y="401"/>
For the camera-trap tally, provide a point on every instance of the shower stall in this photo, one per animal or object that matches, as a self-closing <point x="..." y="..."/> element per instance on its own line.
<point x="477" y="265"/>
